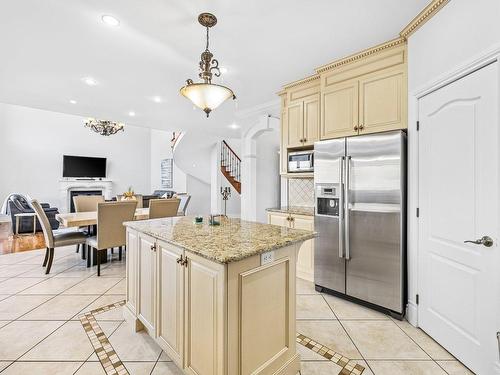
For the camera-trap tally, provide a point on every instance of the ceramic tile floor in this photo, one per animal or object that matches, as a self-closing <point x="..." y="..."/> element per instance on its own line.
<point x="40" y="332"/>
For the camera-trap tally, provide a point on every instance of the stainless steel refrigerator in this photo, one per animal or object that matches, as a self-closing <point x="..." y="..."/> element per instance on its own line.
<point x="360" y="218"/>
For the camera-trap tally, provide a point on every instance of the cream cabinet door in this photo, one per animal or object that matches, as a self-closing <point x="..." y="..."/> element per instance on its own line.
<point x="339" y="109"/>
<point x="132" y="271"/>
<point x="278" y="219"/>
<point x="147" y="283"/>
<point x="295" y="124"/>
<point x="205" y="292"/>
<point x="382" y="101"/>
<point x="305" y="257"/>
<point x="311" y="120"/>
<point x="171" y="301"/>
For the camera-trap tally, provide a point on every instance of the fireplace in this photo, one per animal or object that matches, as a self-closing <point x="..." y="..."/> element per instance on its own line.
<point x="75" y="193"/>
<point x="68" y="188"/>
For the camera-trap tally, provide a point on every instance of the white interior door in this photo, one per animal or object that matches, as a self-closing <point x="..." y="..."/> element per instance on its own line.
<point x="458" y="199"/>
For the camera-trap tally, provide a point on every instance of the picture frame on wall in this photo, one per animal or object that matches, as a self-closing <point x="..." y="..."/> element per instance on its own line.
<point x="167" y="173"/>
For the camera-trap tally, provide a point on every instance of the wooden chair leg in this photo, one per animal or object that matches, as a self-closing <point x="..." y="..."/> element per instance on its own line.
<point x="98" y="263"/>
<point x="51" y="258"/>
<point x="46" y="257"/>
<point x="120" y="253"/>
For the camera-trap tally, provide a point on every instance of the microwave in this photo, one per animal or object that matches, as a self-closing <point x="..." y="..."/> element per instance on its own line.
<point x="301" y="161"/>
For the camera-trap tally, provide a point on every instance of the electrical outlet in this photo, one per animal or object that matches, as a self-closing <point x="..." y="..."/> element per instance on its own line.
<point x="266" y="257"/>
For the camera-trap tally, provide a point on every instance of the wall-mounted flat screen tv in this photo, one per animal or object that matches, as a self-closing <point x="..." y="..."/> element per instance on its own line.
<point x="83" y="166"/>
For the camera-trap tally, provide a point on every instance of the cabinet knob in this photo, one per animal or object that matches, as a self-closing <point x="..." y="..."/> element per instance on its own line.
<point x="361" y="127"/>
<point x="356" y="127"/>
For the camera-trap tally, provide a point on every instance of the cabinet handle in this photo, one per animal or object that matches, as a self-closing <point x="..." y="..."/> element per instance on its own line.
<point x="184" y="262"/>
<point x="361" y="127"/>
<point x="356" y="127"/>
<point x="153" y="248"/>
<point x="180" y="260"/>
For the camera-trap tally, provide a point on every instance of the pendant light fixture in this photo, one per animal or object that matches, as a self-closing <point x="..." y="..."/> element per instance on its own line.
<point x="207" y="95"/>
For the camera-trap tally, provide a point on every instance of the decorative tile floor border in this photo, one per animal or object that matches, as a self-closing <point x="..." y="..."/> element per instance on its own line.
<point x="331" y="355"/>
<point x="103" y="349"/>
<point x="114" y="366"/>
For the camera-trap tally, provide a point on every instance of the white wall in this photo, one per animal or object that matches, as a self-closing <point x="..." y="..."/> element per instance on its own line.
<point x="268" y="174"/>
<point x="260" y="169"/>
<point x="160" y="149"/>
<point x="460" y="32"/>
<point x="200" y="196"/>
<point x="33" y="142"/>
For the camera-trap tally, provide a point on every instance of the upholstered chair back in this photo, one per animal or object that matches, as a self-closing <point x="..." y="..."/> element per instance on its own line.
<point x="163" y="208"/>
<point x="87" y="203"/>
<point x="44" y="222"/>
<point x="110" y="219"/>
<point x="138" y="199"/>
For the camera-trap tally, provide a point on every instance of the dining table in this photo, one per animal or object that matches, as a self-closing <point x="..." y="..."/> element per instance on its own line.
<point x="83" y="219"/>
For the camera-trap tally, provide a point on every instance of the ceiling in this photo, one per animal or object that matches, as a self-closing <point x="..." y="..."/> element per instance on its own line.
<point x="49" y="46"/>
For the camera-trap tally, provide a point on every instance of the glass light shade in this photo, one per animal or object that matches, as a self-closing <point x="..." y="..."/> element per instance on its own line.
<point x="206" y="96"/>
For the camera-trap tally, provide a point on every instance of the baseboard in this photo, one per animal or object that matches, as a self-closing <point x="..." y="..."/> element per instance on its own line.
<point x="412" y="313"/>
<point x="291" y="367"/>
<point x="305" y="275"/>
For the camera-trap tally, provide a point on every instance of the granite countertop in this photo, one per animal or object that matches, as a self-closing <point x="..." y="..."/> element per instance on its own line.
<point x="297" y="210"/>
<point x="231" y="241"/>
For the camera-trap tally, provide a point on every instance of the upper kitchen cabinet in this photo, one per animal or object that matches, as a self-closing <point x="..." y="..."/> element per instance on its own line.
<point x="382" y="101"/>
<point x="366" y="92"/>
<point x="340" y="110"/>
<point x="301" y="113"/>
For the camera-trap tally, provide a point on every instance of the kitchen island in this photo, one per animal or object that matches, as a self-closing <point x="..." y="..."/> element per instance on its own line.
<point x="219" y="300"/>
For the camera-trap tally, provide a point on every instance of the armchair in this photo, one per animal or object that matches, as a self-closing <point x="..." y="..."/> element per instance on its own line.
<point x="17" y="204"/>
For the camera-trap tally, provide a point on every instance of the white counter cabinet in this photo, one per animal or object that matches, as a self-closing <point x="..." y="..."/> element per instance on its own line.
<point x="214" y="318"/>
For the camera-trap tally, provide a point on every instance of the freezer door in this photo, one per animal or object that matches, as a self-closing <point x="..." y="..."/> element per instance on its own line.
<point x="329" y="262"/>
<point x="375" y="217"/>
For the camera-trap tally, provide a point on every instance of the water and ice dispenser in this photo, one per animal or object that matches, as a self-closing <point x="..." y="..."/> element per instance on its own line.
<point x="327" y="199"/>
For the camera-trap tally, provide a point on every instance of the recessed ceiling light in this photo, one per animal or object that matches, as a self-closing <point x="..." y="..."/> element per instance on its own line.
<point x="157" y="99"/>
<point x="72" y="101"/>
<point x="234" y="126"/>
<point x="90" y="81"/>
<point x="223" y="70"/>
<point x="110" y="20"/>
<point x="131" y="113"/>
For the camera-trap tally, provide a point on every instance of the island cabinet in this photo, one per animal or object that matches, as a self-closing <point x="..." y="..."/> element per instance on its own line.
<point x="214" y="317"/>
<point x="305" y="256"/>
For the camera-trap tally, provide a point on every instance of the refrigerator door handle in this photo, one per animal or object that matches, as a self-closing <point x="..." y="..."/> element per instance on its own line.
<point x="341" y="206"/>
<point x="346" y="209"/>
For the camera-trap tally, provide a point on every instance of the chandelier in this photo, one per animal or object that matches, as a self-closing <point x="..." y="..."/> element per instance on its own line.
<point x="104" y="127"/>
<point x="207" y="95"/>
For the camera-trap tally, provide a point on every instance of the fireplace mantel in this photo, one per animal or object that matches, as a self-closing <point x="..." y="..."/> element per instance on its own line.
<point x="74" y="184"/>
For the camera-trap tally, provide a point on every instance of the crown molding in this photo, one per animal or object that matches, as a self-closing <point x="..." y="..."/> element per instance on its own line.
<point x="312" y="78"/>
<point x="428" y="12"/>
<point x="361" y="55"/>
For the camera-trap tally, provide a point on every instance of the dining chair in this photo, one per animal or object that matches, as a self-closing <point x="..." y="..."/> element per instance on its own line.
<point x="163" y="208"/>
<point x="110" y="230"/>
<point x="54" y="240"/>
<point x="86" y="203"/>
<point x="185" y="198"/>
<point x="138" y="199"/>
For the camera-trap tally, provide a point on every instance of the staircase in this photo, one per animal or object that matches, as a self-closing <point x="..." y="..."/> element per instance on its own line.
<point x="230" y="166"/>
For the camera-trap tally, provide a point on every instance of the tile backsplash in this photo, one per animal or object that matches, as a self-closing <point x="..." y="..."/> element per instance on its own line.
<point x="301" y="192"/>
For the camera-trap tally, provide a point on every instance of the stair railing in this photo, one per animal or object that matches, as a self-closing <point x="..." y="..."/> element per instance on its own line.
<point x="230" y="161"/>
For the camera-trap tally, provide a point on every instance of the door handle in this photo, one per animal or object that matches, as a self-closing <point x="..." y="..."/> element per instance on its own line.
<point x="346" y="199"/>
<point x="341" y="207"/>
<point x="485" y="241"/>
